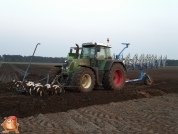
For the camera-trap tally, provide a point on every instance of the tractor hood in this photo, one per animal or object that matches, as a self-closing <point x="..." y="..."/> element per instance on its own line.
<point x="71" y="65"/>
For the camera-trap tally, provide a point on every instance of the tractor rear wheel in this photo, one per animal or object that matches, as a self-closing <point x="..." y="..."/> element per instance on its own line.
<point x="114" y="79"/>
<point x="84" y="79"/>
<point x="147" y="81"/>
<point x="54" y="71"/>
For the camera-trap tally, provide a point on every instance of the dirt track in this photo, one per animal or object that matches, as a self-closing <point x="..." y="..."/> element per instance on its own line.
<point x="165" y="81"/>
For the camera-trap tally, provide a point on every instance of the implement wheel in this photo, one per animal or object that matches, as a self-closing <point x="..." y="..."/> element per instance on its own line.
<point x="114" y="79"/>
<point x="84" y="79"/>
<point x="147" y="81"/>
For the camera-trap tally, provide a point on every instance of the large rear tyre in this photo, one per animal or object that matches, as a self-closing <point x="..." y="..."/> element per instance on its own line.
<point x="83" y="79"/>
<point x="54" y="71"/>
<point x="114" y="79"/>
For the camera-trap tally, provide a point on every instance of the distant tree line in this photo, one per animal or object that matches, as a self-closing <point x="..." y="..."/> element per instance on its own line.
<point x="172" y="63"/>
<point x="19" y="58"/>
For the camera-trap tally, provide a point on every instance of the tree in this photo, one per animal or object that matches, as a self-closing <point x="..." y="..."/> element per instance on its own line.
<point x="1" y="59"/>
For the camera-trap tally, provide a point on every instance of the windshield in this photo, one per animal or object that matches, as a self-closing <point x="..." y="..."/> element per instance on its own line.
<point x="88" y="51"/>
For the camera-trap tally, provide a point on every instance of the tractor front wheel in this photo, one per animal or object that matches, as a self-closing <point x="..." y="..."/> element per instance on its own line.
<point x="114" y="79"/>
<point x="83" y="79"/>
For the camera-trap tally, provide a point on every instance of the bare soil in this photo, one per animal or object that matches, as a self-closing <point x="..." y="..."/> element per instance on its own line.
<point x="165" y="81"/>
<point x="156" y="115"/>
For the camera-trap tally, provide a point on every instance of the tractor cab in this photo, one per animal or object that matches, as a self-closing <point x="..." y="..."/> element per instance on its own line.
<point x="94" y="55"/>
<point x="91" y="50"/>
<point x="96" y="52"/>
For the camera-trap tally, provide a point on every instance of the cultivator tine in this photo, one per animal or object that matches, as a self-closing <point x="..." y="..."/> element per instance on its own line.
<point x="141" y="60"/>
<point x="164" y="61"/>
<point x="148" y="61"/>
<point x="122" y="57"/>
<point x="159" y="61"/>
<point x="127" y="59"/>
<point x="135" y="59"/>
<point x="152" y="61"/>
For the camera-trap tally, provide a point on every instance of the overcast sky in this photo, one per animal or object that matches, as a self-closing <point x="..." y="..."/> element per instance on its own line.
<point x="150" y="26"/>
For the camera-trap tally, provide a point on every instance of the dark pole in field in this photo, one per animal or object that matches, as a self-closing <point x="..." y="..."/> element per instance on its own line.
<point x="30" y="62"/>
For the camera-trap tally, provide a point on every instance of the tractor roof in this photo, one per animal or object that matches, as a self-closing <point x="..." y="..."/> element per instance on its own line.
<point x="99" y="44"/>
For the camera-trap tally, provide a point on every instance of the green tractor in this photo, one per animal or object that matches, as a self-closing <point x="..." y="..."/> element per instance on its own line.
<point x="88" y="67"/>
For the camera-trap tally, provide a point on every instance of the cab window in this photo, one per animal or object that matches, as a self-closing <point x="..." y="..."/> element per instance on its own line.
<point x="104" y="53"/>
<point x="88" y="51"/>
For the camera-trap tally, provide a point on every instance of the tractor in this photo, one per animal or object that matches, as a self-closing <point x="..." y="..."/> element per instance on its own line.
<point x="90" y="66"/>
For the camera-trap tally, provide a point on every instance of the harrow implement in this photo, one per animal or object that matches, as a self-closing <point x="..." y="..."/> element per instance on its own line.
<point x="21" y="88"/>
<point x="143" y="62"/>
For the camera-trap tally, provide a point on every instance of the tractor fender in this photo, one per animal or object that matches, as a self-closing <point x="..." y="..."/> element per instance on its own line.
<point x="109" y="64"/>
<point x="95" y="70"/>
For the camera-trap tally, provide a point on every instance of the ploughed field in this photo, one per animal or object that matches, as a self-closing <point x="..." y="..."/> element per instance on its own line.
<point x="128" y="115"/>
<point x="157" y="115"/>
<point x="165" y="81"/>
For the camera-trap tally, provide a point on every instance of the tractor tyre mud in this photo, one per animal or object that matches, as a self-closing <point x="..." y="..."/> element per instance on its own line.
<point x="54" y="71"/>
<point x="147" y="81"/>
<point x="83" y="80"/>
<point x="114" y="79"/>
